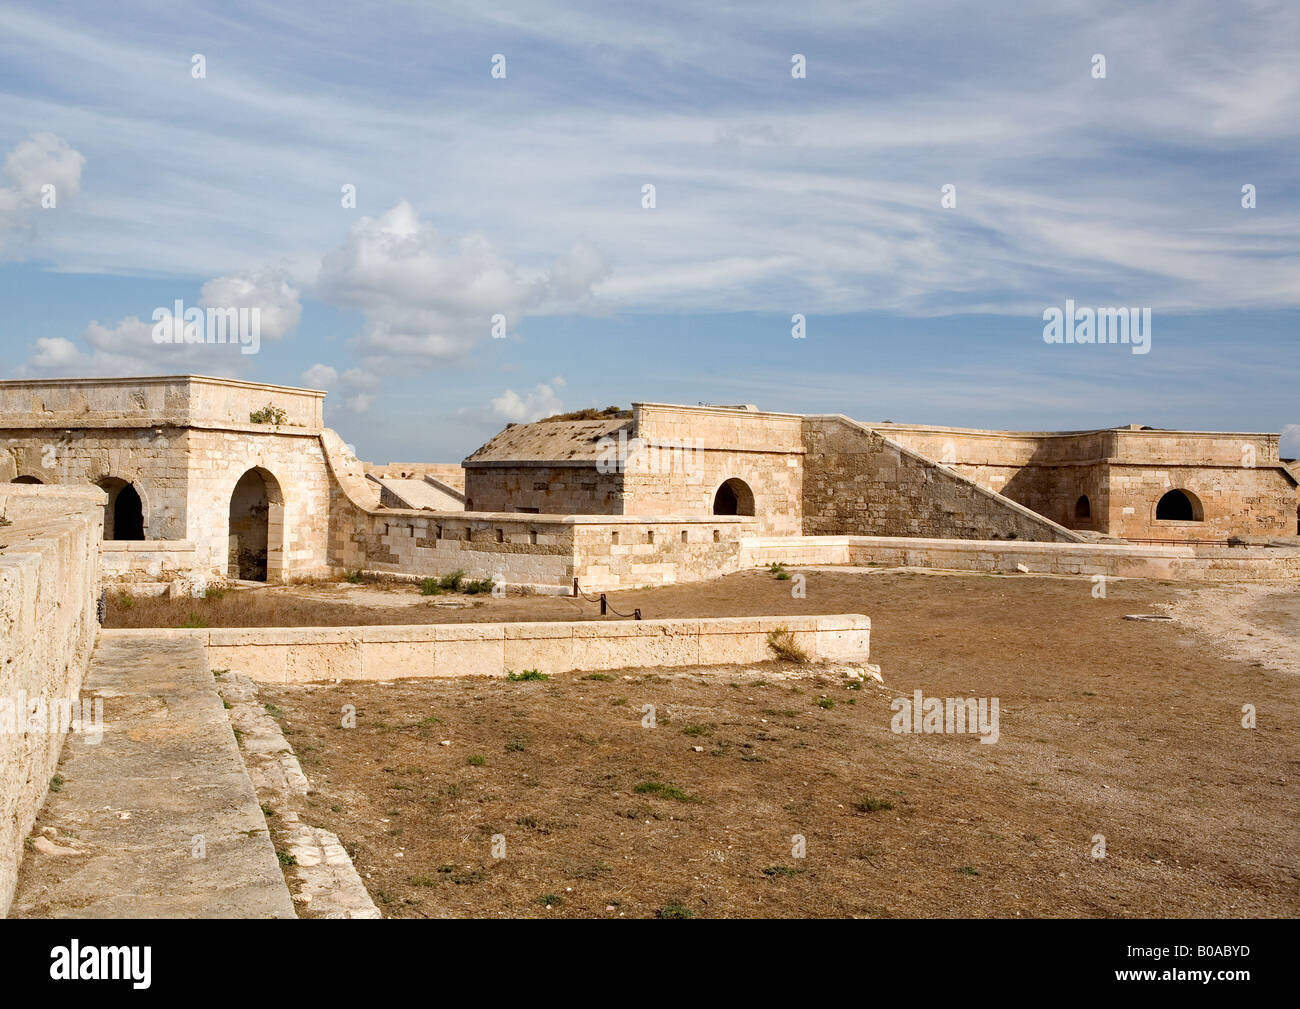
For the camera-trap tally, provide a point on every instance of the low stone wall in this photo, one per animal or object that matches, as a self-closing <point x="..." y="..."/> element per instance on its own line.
<point x="153" y="566"/>
<point x="546" y="551"/>
<point x="49" y="584"/>
<point x="1208" y="563"/>
<point x="303" y="654"/>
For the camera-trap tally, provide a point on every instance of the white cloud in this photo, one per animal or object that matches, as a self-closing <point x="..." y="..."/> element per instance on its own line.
<point x="128" y="348"/>
<point x="266" y="290"/>
<point x="541" y="402"/>
<point x="426" y="296"/>
<point x="41" y="160"/>
<point x="320" y="376"/>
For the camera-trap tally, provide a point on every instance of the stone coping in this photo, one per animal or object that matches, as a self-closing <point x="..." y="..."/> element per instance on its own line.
<point x="389" y="652"/>
<point x="148" y="546"/>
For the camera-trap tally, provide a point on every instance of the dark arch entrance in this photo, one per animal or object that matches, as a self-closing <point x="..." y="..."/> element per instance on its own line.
<point x="25" y="479"/>
<point x="123" y="512"/>
<point x="256" y="528"/>
<point x="1178" y="506"/>
<point x="733" y="498"/>
<point x="1083" y="509"/>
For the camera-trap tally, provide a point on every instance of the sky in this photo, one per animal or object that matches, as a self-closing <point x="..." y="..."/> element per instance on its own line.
<point x="440" y="210"/>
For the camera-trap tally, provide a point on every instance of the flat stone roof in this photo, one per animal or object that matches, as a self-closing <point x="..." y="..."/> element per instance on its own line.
<point x="559" y="441"/>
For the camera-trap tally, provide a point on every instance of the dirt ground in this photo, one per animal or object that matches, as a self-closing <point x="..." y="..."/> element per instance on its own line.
<point x="1127" y="730"/>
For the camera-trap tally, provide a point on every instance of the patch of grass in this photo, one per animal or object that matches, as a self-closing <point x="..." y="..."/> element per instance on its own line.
<point x="969" y="870"/>
<point x="781" y="870"/>
<point x="267" y="810"/>
<point x="430" y="587"/>
<point x="125" y="600"/>
<point x="272" y="710"/>
<point x="218" y="674"/>
<point x="697" y="730"/>
<point x="476" y="760"/>
<point x="451" y="582"/>
<point x="870" y="804"/>
<point x="483" y="586"/>
<point x="214" y="592"/>
<point x="226" y="704"/>
<point x="429" y="720"/>
<point x="517" y="745"/>
<point x="674" y="911"/>
<point x="781" y="712"/>
<point x="779" y="572"/>
<point x="527" y="674"/>
<point x="286" y="858"/>
<point x="56" y="784"/>
<point x="424" y="881"/>
<point x="550" y="900"/>
<point x="353" y="578"/>
<point x="664" y="791"/>
<point x="826" y="703"/>
<point x="269" y="414"/>
<point x="194" y="620"/>
<point x="602" y="677"/>
<point x="782" y="642"/>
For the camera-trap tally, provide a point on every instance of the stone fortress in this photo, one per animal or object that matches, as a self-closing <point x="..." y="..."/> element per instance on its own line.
<point x="208" y="479"/>
<point x="177" y="483"/>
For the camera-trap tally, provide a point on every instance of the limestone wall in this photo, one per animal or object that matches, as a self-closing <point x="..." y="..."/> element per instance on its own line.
<point x="579" y="489"/>
<point x="543" y="551"/>
<point x="1193" y="562"/>
<point x="175" y="400"/>
<point x="49" y="586"/>
<point x="639" y="551"/>
<point x="450" y="473"/>
<point x="690" y="451"/>
<point x="153" y="460"/>
<point x="1234" y="501"/>
<point x="1237" y="478"/>
<point x="304" y="654"/>
<point x="152" y="566"/>
<point x="858" y="482"/>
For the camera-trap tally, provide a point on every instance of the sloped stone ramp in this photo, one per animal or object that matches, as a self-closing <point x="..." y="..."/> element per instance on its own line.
<point x="159" y="819"/>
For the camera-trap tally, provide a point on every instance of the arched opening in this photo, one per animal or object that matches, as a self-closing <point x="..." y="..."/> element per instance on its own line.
<point x="733" y="498"/>
<point x="26" y="479"/>
<point x="1179" y="506"/>
<point x="1083" y="509"/>
<point x="123" y="512"/>
<point x="256" y="528"/>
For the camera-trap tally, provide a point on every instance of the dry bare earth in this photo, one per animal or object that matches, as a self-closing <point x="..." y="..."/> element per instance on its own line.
<point x="1128" y="730"/>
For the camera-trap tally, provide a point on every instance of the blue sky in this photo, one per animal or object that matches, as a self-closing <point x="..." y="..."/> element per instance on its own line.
<point x="775" y="196"/>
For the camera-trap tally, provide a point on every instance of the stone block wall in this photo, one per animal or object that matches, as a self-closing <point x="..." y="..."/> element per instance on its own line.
<point x="153" y="460"/>
<point x="858" y="482"/>
<point x="49" y="586"/>
<point x="691" y="451"/>
<point x="548" y="489"/>
<point x="640" y="551"/>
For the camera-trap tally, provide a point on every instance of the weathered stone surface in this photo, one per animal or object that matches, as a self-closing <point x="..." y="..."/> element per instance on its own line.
<point x="165" y="784"/>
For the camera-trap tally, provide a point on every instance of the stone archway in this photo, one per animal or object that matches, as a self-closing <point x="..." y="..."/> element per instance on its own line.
<point x="733" y="498"/>
<point x="1083" y="511"/>
<point x="256" y="532"/>
<point x="1179" y="506"/>
<point x="124" y="510"/>
<point x="28" y="479"/>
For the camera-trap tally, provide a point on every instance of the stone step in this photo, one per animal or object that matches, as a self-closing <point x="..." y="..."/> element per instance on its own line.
<point x="160" y="814"/>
